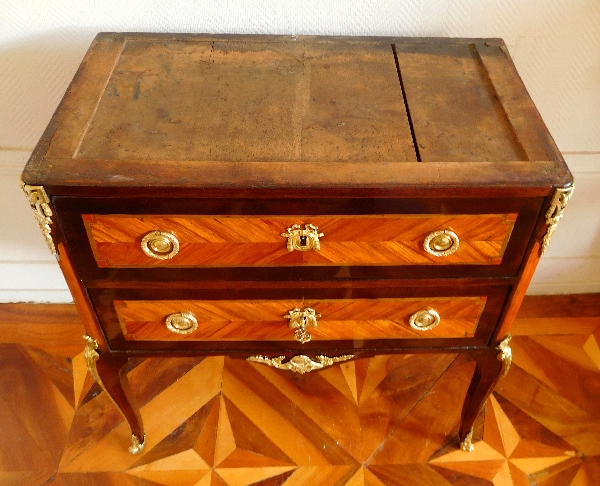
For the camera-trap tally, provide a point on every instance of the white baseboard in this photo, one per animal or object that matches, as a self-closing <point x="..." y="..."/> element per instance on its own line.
<point x="549" y="288"/>
<point x="571" y="265"/>
<point x="32" y="282"/>
<point x="36" y="296"/>
<point x="13" y="161"/>
<point x="568" y="275"/>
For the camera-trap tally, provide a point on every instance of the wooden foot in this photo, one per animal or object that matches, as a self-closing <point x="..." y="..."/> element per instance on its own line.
<point x="490" y="367"/>
<point x="109" y="374"/>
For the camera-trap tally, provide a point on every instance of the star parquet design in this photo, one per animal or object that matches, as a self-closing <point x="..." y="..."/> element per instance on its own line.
<point x="387" y="420"/>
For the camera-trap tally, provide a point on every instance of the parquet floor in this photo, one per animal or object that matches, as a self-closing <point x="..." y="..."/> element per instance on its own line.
<point x="389" y="420"/>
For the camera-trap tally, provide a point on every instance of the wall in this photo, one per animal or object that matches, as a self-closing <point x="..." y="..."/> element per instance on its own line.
<point x="555" y="45"/>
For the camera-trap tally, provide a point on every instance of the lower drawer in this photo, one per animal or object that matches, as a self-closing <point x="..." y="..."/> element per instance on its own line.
<point x="299" y="320"/>
<point x="308" y="316"/>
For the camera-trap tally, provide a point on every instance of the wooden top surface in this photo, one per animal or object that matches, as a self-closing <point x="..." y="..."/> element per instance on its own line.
<point x="195" y="111"/>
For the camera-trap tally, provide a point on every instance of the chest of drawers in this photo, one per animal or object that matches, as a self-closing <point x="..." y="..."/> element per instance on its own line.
<point x="296" y="201"/>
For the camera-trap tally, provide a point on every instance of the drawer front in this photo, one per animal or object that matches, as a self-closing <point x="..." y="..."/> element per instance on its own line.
<point x="120" y="241"/>
<point x="275" y="320"/>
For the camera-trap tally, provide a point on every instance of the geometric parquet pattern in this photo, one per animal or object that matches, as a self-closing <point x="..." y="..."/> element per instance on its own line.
<point x="388" y="420"/>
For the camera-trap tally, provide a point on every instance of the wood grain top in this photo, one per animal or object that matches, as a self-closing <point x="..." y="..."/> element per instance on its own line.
<point x="235" y="101"/>
<point x="237" y="111"/>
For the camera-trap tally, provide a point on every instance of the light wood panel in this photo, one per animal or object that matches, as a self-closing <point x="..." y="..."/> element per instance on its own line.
<point x="258" y="240"/>
<point x="248" y="99"/>
<point x="388" y="420"/>
<point x="242" y="320"/>
<point x="461" y="104"/>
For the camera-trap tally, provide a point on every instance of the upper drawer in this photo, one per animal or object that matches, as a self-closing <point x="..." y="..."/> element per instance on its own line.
<point x="333" y="240"/>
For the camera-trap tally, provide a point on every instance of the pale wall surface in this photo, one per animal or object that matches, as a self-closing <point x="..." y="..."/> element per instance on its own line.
<point x="554" y="43"/>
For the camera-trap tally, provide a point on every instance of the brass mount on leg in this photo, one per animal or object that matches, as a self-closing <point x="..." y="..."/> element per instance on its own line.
<point x="505" y="355"/>
<point x="91" y="355"/>
<point x="467" y="444"/>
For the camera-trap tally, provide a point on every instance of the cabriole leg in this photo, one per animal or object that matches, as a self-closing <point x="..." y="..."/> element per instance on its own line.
<point x="489" y="369"/>
<point x="109" y="374"/>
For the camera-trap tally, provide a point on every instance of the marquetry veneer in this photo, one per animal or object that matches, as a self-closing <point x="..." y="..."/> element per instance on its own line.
<point x="296" y="201"/>
<point x="349" y="240"/>
<point x="243" y="320"/>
